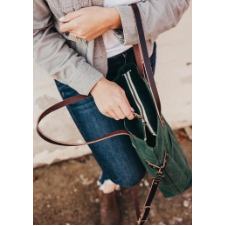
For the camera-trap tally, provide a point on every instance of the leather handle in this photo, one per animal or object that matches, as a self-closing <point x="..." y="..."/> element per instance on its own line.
<point x="65" y="103"/>
<point x="146" y="62"/>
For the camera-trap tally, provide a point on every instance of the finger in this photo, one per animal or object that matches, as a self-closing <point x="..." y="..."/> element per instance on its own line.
<point x="127" y="109"/>
<point x="70" y="16"/>
<point x="64" y="27"/>
<point x="119" y="112"/>
<point x="108" y="115"/>
<point x="113" y="115"/>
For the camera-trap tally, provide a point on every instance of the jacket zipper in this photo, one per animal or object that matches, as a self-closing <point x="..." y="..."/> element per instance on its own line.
<point x="139" y="103"/>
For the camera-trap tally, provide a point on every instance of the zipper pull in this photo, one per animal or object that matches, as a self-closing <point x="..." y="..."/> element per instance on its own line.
<point x="140" y="118"/>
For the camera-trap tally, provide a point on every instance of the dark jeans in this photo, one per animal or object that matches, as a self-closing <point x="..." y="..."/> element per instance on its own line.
<point x="116" y="156"/>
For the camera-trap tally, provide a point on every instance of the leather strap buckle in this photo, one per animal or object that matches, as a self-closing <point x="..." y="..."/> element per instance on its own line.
<point x="159" y="168"/>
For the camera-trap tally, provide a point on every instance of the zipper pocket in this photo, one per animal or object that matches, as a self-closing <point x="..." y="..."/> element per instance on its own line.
<point x="138" y="103"/>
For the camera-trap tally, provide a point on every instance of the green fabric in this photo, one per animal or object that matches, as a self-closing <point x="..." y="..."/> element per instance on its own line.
<point x="178" y="175"/>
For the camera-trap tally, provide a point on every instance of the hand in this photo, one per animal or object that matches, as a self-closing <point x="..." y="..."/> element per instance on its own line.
<point x="111" y="100"/>
<point x="90" y="22"/>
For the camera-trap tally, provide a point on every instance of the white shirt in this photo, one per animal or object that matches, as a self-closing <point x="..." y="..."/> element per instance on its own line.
<point x="112" y="44"/>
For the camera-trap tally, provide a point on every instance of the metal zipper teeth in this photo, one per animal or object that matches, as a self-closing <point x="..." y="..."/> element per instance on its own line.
<point x="138" y="101"/>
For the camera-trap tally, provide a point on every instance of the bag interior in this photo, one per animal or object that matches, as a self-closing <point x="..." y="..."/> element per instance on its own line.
<point x="135" y="126"/>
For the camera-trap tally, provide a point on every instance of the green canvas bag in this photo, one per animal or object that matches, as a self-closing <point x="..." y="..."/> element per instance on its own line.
<point x="150" y="134"/>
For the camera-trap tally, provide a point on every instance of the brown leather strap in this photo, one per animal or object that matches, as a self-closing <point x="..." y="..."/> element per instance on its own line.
<point x="147" y="206"/>
<point x="141" y="218"/>
<point x="139" y="60"/>
<point x="147" y="64"/>
<point x="64" y="103"/>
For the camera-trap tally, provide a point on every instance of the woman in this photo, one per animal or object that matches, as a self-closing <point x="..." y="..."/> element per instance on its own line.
<point x="82" y="44"/>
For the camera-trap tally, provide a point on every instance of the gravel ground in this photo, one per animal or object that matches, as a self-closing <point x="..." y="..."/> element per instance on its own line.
<point x="66" y="194"/>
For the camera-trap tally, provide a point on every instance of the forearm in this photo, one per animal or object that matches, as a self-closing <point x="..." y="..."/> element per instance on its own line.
<point x="114" y="18"/>
<point x="157" y="17"/>
<point x="54" y="56"/>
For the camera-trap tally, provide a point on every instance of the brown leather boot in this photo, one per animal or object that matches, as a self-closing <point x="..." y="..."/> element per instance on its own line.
<point x="109" y="211"/>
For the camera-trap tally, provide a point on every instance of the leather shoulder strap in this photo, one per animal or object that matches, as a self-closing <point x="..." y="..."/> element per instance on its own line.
<point x="146" y="62"/>
<point x="142" y="217"/>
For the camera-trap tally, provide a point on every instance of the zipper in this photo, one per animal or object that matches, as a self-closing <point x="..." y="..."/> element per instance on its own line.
<point x="138" y="102"/>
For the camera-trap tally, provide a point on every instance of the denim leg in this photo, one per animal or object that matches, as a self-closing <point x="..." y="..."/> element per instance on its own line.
<point x="116" y="156"/>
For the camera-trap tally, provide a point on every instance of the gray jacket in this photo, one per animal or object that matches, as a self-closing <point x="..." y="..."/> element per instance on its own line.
<point x="80" y="63"/>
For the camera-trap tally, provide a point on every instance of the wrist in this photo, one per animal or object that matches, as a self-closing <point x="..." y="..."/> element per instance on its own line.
<point x="114" y="18"/>
<point x="97" y="85"/>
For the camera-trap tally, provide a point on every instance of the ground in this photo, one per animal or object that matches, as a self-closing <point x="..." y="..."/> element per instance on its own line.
<point x="66" y="194"/>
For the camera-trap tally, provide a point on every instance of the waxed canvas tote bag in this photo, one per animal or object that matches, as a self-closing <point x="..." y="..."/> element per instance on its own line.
<point x="150" y="134"/>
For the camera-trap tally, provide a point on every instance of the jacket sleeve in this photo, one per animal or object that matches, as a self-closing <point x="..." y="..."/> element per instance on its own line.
<point x="157" y="17"/>
<point x="55" y="57"/>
